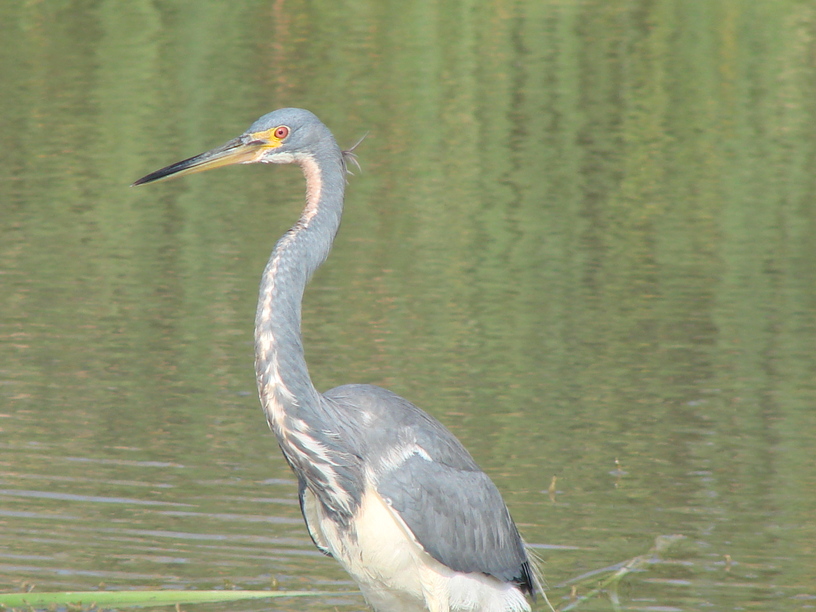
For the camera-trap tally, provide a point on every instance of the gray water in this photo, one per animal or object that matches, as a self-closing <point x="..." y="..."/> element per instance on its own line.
<point x="582" y="239"/>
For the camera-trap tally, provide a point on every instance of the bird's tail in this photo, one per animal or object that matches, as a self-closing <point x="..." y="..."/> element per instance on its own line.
<point x="536" y="575"/>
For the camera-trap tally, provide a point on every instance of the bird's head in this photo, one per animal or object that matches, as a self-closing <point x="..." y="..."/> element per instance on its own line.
<point x="284" y="136"/>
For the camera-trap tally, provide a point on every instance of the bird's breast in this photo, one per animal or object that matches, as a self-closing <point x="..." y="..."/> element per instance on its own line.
<point x="378" y="550"/>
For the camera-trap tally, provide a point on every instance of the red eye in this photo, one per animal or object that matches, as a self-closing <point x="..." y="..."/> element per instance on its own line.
<point x="281" y="132"/>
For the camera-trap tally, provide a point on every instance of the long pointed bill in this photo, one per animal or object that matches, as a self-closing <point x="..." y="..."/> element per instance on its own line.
<point x="241" y="150"/>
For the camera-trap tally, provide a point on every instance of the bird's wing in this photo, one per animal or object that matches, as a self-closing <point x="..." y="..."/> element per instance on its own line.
<point x="308" y="507"/>
<point x="458" y="517"/>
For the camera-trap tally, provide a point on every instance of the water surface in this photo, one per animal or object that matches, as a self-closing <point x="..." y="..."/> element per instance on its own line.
<point x="582" y="238"/>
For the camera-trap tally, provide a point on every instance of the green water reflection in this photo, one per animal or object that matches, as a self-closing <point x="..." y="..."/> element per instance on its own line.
<point x="583" y="232"/>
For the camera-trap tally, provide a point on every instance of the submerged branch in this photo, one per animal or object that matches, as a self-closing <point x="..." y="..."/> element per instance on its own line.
<point x="661" y="545"/>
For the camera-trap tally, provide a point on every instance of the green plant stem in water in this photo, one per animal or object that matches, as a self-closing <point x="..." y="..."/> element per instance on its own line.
<point x="125" y="599"/>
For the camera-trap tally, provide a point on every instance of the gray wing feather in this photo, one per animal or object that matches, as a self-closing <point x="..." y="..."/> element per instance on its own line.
<point x="458" y="517"/>
<point x="453" y="508"/>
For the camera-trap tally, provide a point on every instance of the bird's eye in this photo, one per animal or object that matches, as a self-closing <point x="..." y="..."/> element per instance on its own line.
<point x="281" y="132"/>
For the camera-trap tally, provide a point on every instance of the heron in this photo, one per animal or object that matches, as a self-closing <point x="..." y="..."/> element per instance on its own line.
<point x="384" y="487"/>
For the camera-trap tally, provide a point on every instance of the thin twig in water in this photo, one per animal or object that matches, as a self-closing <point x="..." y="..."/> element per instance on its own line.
<point x="661" y="545"/>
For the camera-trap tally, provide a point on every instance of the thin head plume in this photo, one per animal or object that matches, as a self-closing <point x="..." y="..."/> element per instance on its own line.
<point x="350" y="156"/>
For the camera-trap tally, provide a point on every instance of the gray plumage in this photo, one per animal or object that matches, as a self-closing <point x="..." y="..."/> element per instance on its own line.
<point x="357" y="444"/>
<point x="451" y="506"/>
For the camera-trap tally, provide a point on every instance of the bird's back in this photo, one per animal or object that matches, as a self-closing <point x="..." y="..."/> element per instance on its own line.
<point x="423" y="472"/>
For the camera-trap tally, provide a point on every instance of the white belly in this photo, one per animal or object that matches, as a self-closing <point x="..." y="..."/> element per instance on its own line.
<point x="393" y="571"/>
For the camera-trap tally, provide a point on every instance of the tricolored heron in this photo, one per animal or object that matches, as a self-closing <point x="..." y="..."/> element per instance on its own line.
<point x="384" y="487"/>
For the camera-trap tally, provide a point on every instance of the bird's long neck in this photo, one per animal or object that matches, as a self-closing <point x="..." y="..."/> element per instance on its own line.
<point x="286" y="390"/>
